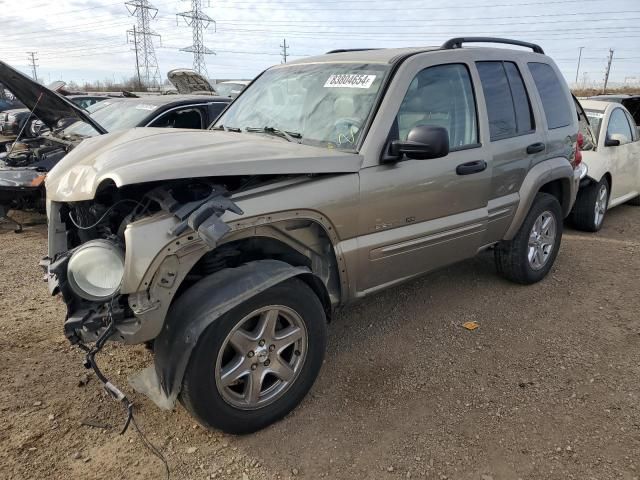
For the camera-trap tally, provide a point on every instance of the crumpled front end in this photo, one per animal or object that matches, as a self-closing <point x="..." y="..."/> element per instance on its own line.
<point x="121" y="257"/>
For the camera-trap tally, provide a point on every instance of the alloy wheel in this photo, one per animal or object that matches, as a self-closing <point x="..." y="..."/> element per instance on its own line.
<point x="261" y="357"/>
<point x="600" y="205"/>
<point x="541" y="240"/>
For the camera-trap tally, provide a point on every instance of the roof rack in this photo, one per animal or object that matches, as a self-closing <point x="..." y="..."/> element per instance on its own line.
<point x="457" y="43"/>
<point x="343" y="50"/>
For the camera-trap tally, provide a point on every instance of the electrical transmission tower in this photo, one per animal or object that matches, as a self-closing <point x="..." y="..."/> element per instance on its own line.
<point x="606" y="73"/>
<point x="32" y="63"/>
<point x="284" y="53"/>
<point x="199" y="22"/>
<point x="142" y="38"/>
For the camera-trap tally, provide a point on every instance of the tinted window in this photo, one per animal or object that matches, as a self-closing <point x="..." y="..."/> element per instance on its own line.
<point x="553" y="96"/>
<point x="441" y="96"/>
<point x="619" y="128"/>
<point x="215" y="109"/>
<point x="507" y="101"/>
<point x="185" y="118"/>
<point x="521" y="103"/>
<point x="502" y="116"/>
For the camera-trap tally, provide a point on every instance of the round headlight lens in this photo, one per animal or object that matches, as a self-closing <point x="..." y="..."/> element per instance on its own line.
<point x="96" y="269"/>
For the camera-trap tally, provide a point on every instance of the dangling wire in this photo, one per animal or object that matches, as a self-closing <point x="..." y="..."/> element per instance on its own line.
<point x="90" y="362"/>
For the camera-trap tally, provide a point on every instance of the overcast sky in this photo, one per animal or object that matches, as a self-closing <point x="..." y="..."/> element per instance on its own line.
<point x="86" y="39"/>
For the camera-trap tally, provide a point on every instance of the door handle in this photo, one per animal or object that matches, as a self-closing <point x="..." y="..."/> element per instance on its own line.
<point x="468" y="168"/>
<point x="536" y="148"/>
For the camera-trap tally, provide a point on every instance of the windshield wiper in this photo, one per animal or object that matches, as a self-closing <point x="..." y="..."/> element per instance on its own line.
<point x="289" y="136"/>
<point x="227" y="129"/>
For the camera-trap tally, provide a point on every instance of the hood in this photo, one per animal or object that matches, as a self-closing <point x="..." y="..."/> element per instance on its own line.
<point x="189" y="81"/>
<point x="144" y="155"/>
<point x="51" y="108"/>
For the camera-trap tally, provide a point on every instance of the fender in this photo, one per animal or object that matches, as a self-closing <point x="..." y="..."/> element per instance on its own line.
<point x="542" y="173"/>
<point x="188" y="319"/>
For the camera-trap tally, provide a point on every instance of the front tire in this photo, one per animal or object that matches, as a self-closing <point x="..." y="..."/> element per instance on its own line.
<point x="529" y="256"/>
<point x="591" y="206"/>
<point x="256" y="363"/>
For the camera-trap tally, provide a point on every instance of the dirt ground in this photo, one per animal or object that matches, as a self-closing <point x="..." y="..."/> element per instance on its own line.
<point x="546" y="388"/>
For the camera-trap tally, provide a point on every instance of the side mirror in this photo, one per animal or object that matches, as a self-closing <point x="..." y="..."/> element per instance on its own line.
<point x="422" y="143"/>
<point x="611" y="142"/>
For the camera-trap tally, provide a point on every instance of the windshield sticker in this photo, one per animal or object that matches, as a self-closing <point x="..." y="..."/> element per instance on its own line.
<point x="142" y="106"/>
<point x="350" y="81"/>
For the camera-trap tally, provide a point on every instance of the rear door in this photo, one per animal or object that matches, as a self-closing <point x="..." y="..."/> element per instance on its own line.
<point x="516" y="138"/>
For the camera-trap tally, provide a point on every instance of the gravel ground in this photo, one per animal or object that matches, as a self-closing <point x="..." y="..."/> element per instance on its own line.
<point x="546" y="388"/>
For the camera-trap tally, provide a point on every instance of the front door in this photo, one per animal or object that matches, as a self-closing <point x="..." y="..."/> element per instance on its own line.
<point x="417" y="215"/>
<point x="624" y="162"/>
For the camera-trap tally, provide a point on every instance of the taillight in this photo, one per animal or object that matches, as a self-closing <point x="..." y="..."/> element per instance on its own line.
<point x="579" y="144"/>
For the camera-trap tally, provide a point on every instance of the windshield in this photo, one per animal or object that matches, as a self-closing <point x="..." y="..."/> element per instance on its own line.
<point x="595" y="119"/>
<point x="322" y="104"/>
<point x="113" y="115"/>
<point x="228" y="89"/>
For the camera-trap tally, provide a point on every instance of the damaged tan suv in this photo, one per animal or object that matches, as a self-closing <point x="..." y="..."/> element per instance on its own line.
<point x="327" y="180"/>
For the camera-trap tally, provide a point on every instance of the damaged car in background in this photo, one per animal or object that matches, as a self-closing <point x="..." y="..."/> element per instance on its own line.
<point x="26" y="160"/>
<point x="327" y="180"/>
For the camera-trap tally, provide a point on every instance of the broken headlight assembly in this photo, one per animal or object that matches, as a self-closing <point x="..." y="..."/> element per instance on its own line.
<point x="95" y="270"/>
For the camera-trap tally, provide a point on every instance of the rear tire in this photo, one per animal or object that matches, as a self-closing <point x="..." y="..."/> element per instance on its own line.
<point x="219" y="384"/>
<point x="591" y="206"/>
<point x="529" y="256"/>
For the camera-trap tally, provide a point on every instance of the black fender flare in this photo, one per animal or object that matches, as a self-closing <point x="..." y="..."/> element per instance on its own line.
<point x="225" y="290"/>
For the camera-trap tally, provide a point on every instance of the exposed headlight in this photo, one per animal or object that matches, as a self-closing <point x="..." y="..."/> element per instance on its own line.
<point x="95" y="270"/>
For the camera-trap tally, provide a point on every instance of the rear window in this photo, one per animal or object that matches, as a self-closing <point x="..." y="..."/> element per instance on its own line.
<point x="554" y="100"/>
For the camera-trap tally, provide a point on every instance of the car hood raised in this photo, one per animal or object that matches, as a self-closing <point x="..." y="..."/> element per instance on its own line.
<point x="189" y="81"/>
<point x="144" y="155"/>
<point x="51" y="107"/>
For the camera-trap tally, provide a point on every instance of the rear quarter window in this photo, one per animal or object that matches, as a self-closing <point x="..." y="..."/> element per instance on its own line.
<point x="554" y="100"/>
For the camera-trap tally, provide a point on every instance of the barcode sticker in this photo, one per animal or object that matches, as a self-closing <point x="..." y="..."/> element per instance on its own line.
<point x="349" y="80"/>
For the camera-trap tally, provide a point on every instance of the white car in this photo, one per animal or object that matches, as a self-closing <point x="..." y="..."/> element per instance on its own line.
<point x="612" y="160"/>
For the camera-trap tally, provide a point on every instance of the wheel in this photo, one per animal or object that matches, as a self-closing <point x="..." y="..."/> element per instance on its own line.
<point x="591" y="206"/>
<point x="529" y="256"/>
<point x="256" y="363"/>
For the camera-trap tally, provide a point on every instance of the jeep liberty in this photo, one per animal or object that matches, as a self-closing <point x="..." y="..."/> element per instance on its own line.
<point x="326" y="180"/>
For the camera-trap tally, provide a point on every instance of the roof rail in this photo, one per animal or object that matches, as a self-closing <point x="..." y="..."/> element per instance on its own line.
<point x="343" y="50"/>
<point x="457" y="43"/>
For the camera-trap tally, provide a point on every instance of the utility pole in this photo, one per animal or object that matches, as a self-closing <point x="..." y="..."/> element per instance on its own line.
<point x="199" y="22"/>
<point x="606" y="75"/>
<point x="32" y="60"/>
<point x="284" y="47"/>
<point x="578" y="69"/>
<point x="144" y="12"/>
<point x="134" y="40"/>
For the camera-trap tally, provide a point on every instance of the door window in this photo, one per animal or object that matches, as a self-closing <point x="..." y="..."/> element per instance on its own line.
<point x="441" y="96"/>
<point x="182" y="118"/>
<point x="618" y="128"/>
<point x="553" y="96"/>
<point x="508" y="105"/>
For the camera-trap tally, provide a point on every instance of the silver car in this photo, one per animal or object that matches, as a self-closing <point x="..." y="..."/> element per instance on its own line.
<point x="328" y="179"/>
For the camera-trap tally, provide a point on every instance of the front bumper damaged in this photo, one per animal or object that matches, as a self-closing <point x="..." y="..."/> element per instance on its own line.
<point x="155" y="252"/>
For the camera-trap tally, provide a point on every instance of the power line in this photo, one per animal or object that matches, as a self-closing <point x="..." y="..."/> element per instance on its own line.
<point x="284" y="47"/>
<point x="199" y="22"/>
<point x="145" y="52"/>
